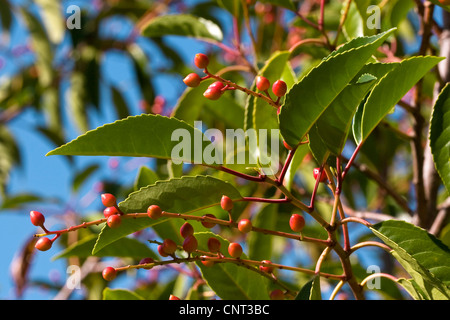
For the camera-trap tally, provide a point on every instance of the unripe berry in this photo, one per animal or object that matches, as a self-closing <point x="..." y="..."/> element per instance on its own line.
<point x="161" y="251"/>
<point x="245" y="226"/>
<point x="172" y="297"/>
<point x="277" y="294"/>
<point x="226" y="203"/>
<point x="201" y="60"/>
<point x="323" y="176"/>
<point x="110" y="211"/>
<point x="296" y="222"/>
<point x="192" y="80"/>
<point x="212" y="93"/>
<point x="262" y="83"/>
<point x="190" y="244"/>
<point x="208" y="224"/>
<point x="114" y="221"/>
<point x="37" y="218"/>
<point x="207" y="263"/>
<point x="279" y="88"/>
<point x="109" y="273"/>
<point x="235" y="250"/>
<point x="154" y="212"/>
<point x="265" y="267"/>
<point x="169" y="246"/>
<point x="108" y="200"/>
<point x="186" y="230"/>
<point x="43" y="244"/>
<point x="214" y="245"/>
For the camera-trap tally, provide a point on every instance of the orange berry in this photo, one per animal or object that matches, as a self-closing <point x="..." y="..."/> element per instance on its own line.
<point x="154" y="212"/>
<point x="201" y="60"/>
<point x="245" y="226"/>
<point x="296" y="222"/>
<point x="279" y="88"/>
<point x="235" y="250"/>
<point x="109" y="273"/>
<point x="43" y="244"/>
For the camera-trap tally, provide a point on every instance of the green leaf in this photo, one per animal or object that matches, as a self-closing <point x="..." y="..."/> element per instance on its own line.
<point x="182" y="25"/>
<point x="120" y="294"/>
<point x="422" y="255"/>
<point x="288" y="4"/>
<point x="120" y="103"/>
<point x="259" y="244"/>
<point x="145" y="177"/>
<point x="83" y="175"/>
<point x="138" y="136"/>
<point x="125" y="247"/>
<point x="180" y="195"/>
<point x="440" y="135"/>
<point x="309" y="98"/>
<point x="310" y="291"/>
<point x="76" y="100"/>
<point x="52" y="18"/>
<point x="229" y="280"/>
<point x="391" y="88"/>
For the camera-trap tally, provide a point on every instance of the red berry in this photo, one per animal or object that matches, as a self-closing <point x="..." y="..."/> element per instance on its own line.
<point x="114" y="221"/>
<point x="213" y="93"/>
<point x="190" y="244"/>
<point x="43" y="244"/>
<point x="235" y="250"/>
<point x="208" y="224"/>
<point x="207" y="263"/>
<point x="109" y="273"/>
<point x="169" y="246"/>
<point x="245" y="226"/>
<point x="108" y="200"/>
<point x="266" y="267"/>
<point x="37" y="218"/>
<point x="161" y="251"/>
<point x="214" y="245"/>
<point x="192" y="80"/>
<point x="201" y="60"/>
<point x="297" y="222"/>
<point x="154" y="212"/>
<point x="110" y="211"/>
<point x="323" y="176"/>
<point x="172" y="297"/>
<point x="277" y="294"/>
<point x="279" y="88"/>
<point x="226" y="203"/>
<point x="286" y="145"/>
<point x="186" y="230"/>
<point x="262" y="83"/>
<point x="218" y="85"/>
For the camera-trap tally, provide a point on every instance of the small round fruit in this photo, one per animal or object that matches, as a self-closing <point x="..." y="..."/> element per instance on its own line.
<point x="266" y="266"/>
<point x="172" y="297"/>
<point x="186" y="230"/>
<point x="262" y="83"/>
<point x="323" y="176"/>
<point x="212" y="93"/>
<point x="108" y="200"/>
<point x="109" y="211"/>
<point x="109" y="273"/>
<point x="190" y="244"/>
<point x="297" y="222"/>
<point x="235" y="250"/>
<point x="208" y="224"/>
<point x="114" y="221"/>
<point x="154" y="212"/>
<point x="226" y="203"/>
<point x="37" y="218"/>
<point x="245" y="226"/>
<point x="146" y="261"/>
<point x="192" y="80"/>
<point x="214" y="245"/>
<point x="201" y="60"/>
<point x="207" y="263"/>
<point x="279" y="88"/>
<point x="161" y="251"/>
<point x="169" y="246"/>
<point x="218" y="85"/>
<point x="43" y="244"/>
<point x="277" y="294"/>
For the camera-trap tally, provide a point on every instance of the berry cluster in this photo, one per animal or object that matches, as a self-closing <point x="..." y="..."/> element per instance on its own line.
<point x="216" y="89"/>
